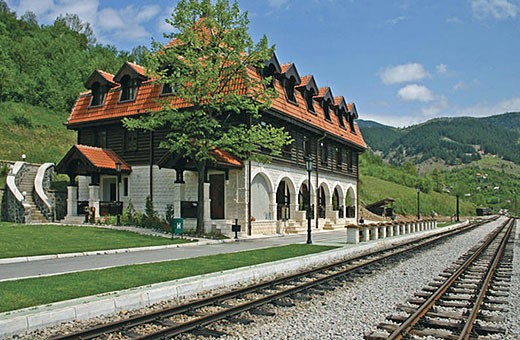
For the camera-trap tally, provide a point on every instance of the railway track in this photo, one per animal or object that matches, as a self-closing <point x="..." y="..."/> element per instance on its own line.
<point x="464" y="301"/>
<point x="193" y="317"/>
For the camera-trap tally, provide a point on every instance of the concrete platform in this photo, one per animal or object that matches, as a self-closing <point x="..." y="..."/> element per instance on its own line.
<point x="28" y="319"/>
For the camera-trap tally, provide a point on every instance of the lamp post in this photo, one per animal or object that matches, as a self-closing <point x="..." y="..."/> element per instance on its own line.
<point x="458" y="211"/>
<point x="308" y="167"/>
<point x="118" y="170"/>
<point x="418" y="203"/>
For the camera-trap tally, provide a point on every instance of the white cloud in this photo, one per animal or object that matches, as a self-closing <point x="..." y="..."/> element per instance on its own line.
<point x="437" y="108"/>
<point x="453" y="20"/>
<point x="496" y="9"/>
<point x="442" y="68"/>
<point x="485" y="109"/>
<point x="414" y="92"/>
<point x="396" y="20"/>
<point x="277" y="3"/>
<point x="460" y="86"/>
<point x="403" y="73"/>
<point x="48" y="10"/>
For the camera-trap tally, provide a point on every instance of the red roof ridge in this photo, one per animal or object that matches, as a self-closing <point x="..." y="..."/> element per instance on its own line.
<point x="138" y="68"/>
<point x="285" y="67"/>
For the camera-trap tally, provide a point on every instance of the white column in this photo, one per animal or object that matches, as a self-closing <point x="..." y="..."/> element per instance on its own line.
<point x="207" y="203"/>
<point x="93" y="198"/>
<point x="382" y="231"/>
<point x="352" y="234"/>
<point x="375" y="231"/>
<point x="178" y="196"/>
<point x="408" y="228"/>
<point x="390" y="230"/>
<point x="366" y="233"/>
<point x="72" y="200"/>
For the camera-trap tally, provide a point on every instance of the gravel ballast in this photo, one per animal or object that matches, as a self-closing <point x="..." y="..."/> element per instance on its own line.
<point x="355" y="310"/>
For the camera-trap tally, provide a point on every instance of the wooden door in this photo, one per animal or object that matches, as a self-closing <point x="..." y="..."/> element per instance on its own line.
<point x="216" y="194"/>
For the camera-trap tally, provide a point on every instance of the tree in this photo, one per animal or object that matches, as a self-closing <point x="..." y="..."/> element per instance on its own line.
<point x="212" y="65"/>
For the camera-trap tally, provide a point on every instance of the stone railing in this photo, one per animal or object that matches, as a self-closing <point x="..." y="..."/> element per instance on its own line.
<point x="18" y="210"/>
<point x="42" y="184"/>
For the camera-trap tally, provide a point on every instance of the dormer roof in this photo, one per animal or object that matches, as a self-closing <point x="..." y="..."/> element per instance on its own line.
<point x="341" y="104"/>
<point x="274" y="63"/>
<point x="131" y="69"/>
<point x="101" y="77"/>
<point x="288" y="71"/>
<point x="352" y="110"/>
<point x="308" y="83"/>
<point x="325" y="94"/>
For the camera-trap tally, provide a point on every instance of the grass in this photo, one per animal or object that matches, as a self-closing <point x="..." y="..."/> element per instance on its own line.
<point x="35" y="131"/>
<point x="32" y="292"/>
<point x="30" y="240"/>
<point x="373" y="189"/>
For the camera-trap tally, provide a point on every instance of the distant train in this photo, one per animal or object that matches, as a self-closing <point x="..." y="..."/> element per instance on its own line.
<point x="484" y="211"/>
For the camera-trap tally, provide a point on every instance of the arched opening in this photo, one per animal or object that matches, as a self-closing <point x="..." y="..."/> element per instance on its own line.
<point x="303" y="197"/>
<point x="350" y="203"/>
<point x="335" y="200"/>
<point x="260" y="189"/>
<point x="283" y="201"/>
<point x="322" y="202"/>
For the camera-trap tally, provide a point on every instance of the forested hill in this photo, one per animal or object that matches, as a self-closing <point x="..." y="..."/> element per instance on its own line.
<point x="449" y="140"/>
<point x="42" y="70"/>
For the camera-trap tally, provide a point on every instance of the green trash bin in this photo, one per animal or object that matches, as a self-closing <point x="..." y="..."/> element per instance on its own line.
<point x="177" y="226"/>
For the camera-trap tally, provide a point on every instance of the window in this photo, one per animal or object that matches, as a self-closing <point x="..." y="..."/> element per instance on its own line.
<point x="349" y="160"/>
<point x="128" y="88"/>
<point x="288" y="85"/>
<point x="131" y="140"/>
<point x="324" y="153"/>
<point x="166" y="89"/>
<point x="309" y="101"/>
<point x="98" y="94"/>
<point x="326" y="110"/>
<point x="287" y="151"/>
<point x="307" y="146"/>
<point x="269" y="72"/>
<point x="101" y="138"/>
<point x="351" y="123"/>
<point x="125" y="186"/>
<point x="339" y="158"/>
<point x="340" y="118"/>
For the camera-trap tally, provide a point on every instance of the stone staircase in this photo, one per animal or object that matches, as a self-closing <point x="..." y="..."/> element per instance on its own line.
<point x="27" y="185"/>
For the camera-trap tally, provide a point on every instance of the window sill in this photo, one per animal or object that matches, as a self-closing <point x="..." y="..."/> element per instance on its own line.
<point x="96" y="106"/>
<point x="126" y="101"/>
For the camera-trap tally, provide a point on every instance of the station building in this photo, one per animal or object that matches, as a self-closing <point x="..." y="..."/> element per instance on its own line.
<point x="264" y="198"/>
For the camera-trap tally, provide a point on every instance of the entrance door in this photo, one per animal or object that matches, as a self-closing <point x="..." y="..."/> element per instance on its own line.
<point x="216" y="194"/>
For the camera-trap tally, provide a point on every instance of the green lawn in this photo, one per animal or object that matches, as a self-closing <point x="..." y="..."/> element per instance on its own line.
<point x="30" y="240"/>
<point x="38" y="291"/>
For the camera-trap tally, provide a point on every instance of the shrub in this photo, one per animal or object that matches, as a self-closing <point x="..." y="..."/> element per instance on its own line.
<point x="169" y="213"/>
<point x="22" y="121"/>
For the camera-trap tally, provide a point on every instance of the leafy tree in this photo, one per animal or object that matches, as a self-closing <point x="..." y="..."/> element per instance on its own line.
<point x="208" y="65"/>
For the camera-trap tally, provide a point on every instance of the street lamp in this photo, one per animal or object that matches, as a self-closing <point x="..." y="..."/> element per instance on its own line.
<point x="458" y="211"/>
<point x="118" y="170"/>
<point x="418" y="203"/>
<point x="308" y="167"/>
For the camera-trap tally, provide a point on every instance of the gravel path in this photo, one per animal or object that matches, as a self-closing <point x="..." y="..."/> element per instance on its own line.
<point x="356" y="309"/>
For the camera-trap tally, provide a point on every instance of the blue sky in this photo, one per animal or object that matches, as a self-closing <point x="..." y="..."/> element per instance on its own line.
<point x="401" y="61"/>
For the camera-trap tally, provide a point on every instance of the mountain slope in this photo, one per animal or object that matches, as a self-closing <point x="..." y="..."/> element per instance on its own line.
<point x="452" y="141"/>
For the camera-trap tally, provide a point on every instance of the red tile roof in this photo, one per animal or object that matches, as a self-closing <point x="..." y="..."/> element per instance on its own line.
<point x="305" y="80"/>
<point x="109" y="77"/>
<point x="285" y="67"/>
<point x="102" y="158"/>
<point x="148" y="99"/>
<point x="226" y="158"/>
<point x="138" y="68"/>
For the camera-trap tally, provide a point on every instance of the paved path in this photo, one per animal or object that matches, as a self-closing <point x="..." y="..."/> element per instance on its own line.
<point x="13" y="271"/>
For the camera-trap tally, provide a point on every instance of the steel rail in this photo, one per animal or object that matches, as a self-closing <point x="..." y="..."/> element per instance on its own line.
<point x="423" y="309"/>
<point x="470" y="321"/>
<point x="101" y="330"/>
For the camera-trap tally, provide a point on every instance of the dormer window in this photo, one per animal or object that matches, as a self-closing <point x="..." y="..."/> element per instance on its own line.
<point x="309" y="101"/>
<point x="166" y="89"/>
<point x="269" y="72"/>
<point x="98" y="94"/>
<point x="340" y="116"/>
<point x="326" y="111"/>
<point x="350" y="119"/>
<point x="128" y="88"/>
<point x="288" y="86"/>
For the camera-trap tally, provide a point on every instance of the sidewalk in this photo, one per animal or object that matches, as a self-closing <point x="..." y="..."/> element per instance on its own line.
<point x="47" y="265"/>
